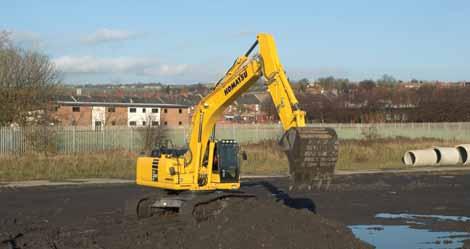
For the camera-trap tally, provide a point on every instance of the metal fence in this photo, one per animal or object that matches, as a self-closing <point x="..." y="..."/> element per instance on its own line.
<point x="68" y="140"/>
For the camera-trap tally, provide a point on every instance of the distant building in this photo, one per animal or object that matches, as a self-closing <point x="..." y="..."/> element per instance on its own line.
<point x="99" y="112"/>
<point x="246" y="109"/>
<point x="143" y="115"/>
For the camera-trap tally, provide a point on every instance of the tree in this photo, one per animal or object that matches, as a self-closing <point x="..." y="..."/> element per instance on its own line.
<point x="304" y="81"/>
<point x="387" y="80"/>
<point x="326" y="83"/>
<point x="267" y="106"/>
<point x="28" y="81"/>
<point x="302" y="84"/>
<point x="168" y="89"/>
<point x="4" y="39"/>
<point x="333" y="83"/>
<point x="153" y="136"/>
<point x="367" y="84"/>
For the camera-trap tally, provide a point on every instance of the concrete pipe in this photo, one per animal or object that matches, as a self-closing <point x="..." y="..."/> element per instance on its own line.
<point x="464" y="150"/>
<point x="448" y="156"/>
<point x="426" y="157"/>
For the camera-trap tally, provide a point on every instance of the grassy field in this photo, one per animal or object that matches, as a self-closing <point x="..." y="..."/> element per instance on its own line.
<point x="59" y="167"/>
<point x="382" y="153"/>
<point x="263" y="158"/>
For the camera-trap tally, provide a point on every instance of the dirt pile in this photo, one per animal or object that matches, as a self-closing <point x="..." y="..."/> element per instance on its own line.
<point x="269" y="224"/>
<point x="242" y="224"/>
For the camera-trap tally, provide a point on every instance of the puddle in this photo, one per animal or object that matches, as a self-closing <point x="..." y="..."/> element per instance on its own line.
<point x="402" y="236"/>
<point x="422" y="216"/>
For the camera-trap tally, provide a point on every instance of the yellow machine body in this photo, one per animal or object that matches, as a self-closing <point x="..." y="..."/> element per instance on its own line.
<point x="195" y="170"/>
<point x="172" y="175"/>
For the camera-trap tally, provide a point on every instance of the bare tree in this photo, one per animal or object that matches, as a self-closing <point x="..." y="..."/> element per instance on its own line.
<point x="28" y="81"/>
<point x="153" y="135"/>
<point x="4" y="40"/>
<point x="267" y="106"/>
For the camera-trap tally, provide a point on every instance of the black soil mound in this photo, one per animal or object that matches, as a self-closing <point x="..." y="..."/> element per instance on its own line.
<point x="269" y="224"/>
<point x="245" y="224"/>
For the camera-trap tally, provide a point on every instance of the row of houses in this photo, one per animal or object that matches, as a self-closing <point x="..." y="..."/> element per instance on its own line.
<point x="101" y="111"/>
<point x="96" y="112"/>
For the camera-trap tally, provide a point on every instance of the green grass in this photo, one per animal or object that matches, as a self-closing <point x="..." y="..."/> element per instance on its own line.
<point x="382" y="153"/>
<point x="264" y="158"/>
<point x="60" y="167"/>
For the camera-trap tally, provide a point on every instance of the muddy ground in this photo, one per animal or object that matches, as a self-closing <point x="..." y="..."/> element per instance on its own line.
<point x="94" y="216"/>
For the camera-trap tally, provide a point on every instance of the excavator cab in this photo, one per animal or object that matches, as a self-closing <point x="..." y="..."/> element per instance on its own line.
<point x="226" y="162"/>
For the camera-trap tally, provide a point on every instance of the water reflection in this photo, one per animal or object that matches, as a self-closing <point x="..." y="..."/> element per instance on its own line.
<point x="422" y="216"/>
<point x="402" y="236"/>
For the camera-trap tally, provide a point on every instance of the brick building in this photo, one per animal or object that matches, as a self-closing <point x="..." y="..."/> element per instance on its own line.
<point x="246" y="109"/>
<point x="94" y="112"/>
<point x="175" y="116"/>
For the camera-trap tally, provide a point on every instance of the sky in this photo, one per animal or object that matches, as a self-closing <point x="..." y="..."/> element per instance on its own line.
<point x="179" y="42"/>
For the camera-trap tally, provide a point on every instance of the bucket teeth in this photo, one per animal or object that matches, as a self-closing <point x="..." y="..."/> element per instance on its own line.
<point x="312" y="153"/>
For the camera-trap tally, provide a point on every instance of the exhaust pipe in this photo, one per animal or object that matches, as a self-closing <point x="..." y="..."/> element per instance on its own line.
<point x="426" y="157"/>
<point x="464" y="150"/>
<point x="448" y="156"/>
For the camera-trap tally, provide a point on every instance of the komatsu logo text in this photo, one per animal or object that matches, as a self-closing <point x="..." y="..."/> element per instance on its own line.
<point x="237" y="81"/>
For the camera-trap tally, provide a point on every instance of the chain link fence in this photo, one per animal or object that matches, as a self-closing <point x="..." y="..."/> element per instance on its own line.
<point x="69" y="140"/>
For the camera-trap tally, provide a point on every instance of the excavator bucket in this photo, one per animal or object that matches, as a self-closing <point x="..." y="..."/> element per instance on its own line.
<point x="312" y="153"/>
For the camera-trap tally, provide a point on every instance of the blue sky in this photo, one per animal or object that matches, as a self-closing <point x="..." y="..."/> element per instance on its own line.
<point x="196" y="41"/>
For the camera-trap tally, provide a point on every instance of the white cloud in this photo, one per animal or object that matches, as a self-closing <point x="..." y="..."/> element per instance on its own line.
<point x="125" y="65"/>
<point x="317" y="72"/>
<point x="166" y="70"/>
<point x="130" y="68"/>
<point x="27" y="39"/>
<point x="108" y="35"/>
<point x="22" y="36"/>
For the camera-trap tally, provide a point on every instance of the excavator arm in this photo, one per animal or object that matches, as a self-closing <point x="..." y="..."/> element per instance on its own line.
<point x="279" y="87"/>
<point x="312" y="152"/>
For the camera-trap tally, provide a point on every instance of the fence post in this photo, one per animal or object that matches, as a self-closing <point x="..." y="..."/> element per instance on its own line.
<point x="132" y="140"/>
<point x="2" y="142"/>
<point x="73" y="140"/>
<point x="102" y="138"/>
<point x="12" y="139"/>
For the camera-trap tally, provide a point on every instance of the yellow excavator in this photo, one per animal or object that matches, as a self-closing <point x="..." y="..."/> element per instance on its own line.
<point x="209" y="169"/>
